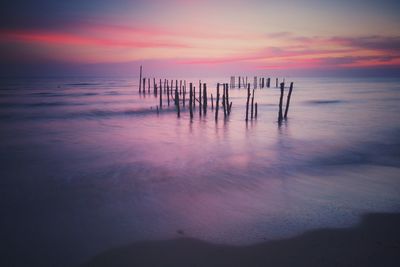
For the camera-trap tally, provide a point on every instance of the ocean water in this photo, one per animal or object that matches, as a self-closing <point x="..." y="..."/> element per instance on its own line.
<point x="88" y="164"/>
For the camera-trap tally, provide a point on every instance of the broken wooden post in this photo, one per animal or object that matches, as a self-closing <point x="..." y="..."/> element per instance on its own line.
<point x="252" y="105"/>
<point x="140" y="80"/>
<point x="191" y="100"/>
<point x="247" y="103"/>
<point x="204" y="98"/>
<point x="288" y="100"/>
<point x="217" y="103"/>
<point x="280" y="103"/>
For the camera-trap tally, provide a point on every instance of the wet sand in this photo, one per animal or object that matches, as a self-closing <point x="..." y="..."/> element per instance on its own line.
<point x="375" y="241"/>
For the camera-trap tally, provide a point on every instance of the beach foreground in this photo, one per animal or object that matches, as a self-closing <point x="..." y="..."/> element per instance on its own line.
<point x="375" y="241"/>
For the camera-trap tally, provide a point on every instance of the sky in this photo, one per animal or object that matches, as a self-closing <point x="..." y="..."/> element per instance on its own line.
<point x="193" y="37"/>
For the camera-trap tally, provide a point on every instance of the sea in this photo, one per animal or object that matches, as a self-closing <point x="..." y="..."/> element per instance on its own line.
<point x="88" y="164"/>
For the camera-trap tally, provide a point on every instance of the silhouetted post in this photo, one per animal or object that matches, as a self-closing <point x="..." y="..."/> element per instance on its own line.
<point x="184" y="95"/>
<point x="227" y="100"/>
<point x="191" y="100"/>
<point x="144" y="85"/>
<point x="154" y="85"/>
<point x="268" y="82"/>
<point x="180" y="87"/>
<point x="276" y="85"/>
<point x="217" y="103"/>
<point x="288" y="100"/>
<point x="200" y="110"/>
<point x="224" y="104"/>
<point x="247" y="103"/>
<point x="212" y="102"/>
<point x="160" y="95"/>
<point x="177" y="100"/>
<point x="239" y="82"/>
<point x="148" y="85"/>
<point x="252" y="105"/>
<point x="160" y="87"/>
<point x="194" y="96"/>
<point x="165" y="85"/>
<point x="168" y="92"/>
<point x="280" y="103"/>
<point x="205" y="98"/>
<point x="255" y="115"/>
<point x="140" y="80"/>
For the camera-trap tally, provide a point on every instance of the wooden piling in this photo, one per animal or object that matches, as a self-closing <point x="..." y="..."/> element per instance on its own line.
<point x="140" y="80"/>
<point x="217" y="104"/>
<point x="160" y="96"/>
<point x="280" y="103"/>
<point x="168" y="93"/>
<point x="255" y="115"/>
<point x="204" y="98"/>
<point x="239" y="82"/>
<point x="177" y="100"/>
<point x="148" y="85"/>
<point x="194" y="96"/>
<point x="212" y="102"/>
<point x="224" y="104"/>
<point x="191" y="100"/>
<point x="276" y="85"/>
<point x="252" y="105"/>
<point x="288" y="100"/>
<point x="200" y="109"/>
<point x="144" y="85"/>
<point x="247" y="103"/>
<point x="227" y="100"/>
<point x="268" y="82"/>
<point x="154" y="85"/>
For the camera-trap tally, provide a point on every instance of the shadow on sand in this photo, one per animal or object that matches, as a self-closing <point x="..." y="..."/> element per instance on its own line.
<point x="375" y="241"/>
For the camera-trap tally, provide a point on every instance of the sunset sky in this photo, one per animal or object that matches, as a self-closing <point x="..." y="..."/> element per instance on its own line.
<point x="102" y="37"/>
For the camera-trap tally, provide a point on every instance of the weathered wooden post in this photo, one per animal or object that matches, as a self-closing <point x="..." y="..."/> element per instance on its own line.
<point x="160" y="90"/>
<point x="148" y="85"/>
<point x="200" y="109"/>
<point x="227" y="100"/>
<point x="247" y="103"/>
<point x="168" y="92"/>
<point x="140" y="80"/>
<point x="217" y="104"/>
<point x="212" y="102"/>
<point x="224" y="104"/>
<point x="255" y="115"/>
<point x="288" y="100"/>
<point x="154" y="85"/>
<point x="280" y="116"/>
<point x="204" y="98"/>
<point x="160" y="95"/>
<point x="144" y="85"/>
<point x="191" y="100"/>
<point x="252" y="105"/>
<point x="184" y="95"/>
<point x="276" y="85"/>
<point x="180" y="87"/>
<point x="268" y="82"/>
<point x="177" y="100"/>
<point x="239" y="82"/>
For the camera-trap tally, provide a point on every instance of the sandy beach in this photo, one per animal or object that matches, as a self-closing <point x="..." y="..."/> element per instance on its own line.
<point x="375" y="241"/>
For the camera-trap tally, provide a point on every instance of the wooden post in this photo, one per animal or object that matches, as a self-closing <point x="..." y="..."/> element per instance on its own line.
<point x="204" y="98"/>
<point x="217" y="103"/>
<point x="288" y="100"/>
<point x="148" y="85"/>
<point x="247" y="103"/>
<point x="140" y="80"/>
<point x="224" y="104"/>
<point x="255" y="115"/>
<point x="160" y="87"/>
<point x="255" y="82"/>
<point x="239" y="82"/>
<point x="177" y="100"/>
<point x="212" y="102"/>
<point x="227" y="100"/>
<point x="180" y="87"/>
<point x="194" y="96"/>
<point x="144" y="85"/>
<point x="276" y="85"/>
<point x="154" y="85"/>
<point x="168" y="93"/>
<point x="191" y="100"/>
<point x="200" y="110"/>
<point x="184" y="95"/>
<point x="252" y="105"/>
<point x="160" y="95"/>
<point x="268" y="82"/>
<point x="280" y="103"/>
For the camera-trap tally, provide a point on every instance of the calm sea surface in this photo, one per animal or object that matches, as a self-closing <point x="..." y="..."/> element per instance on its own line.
<point x="87" y="164"/>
